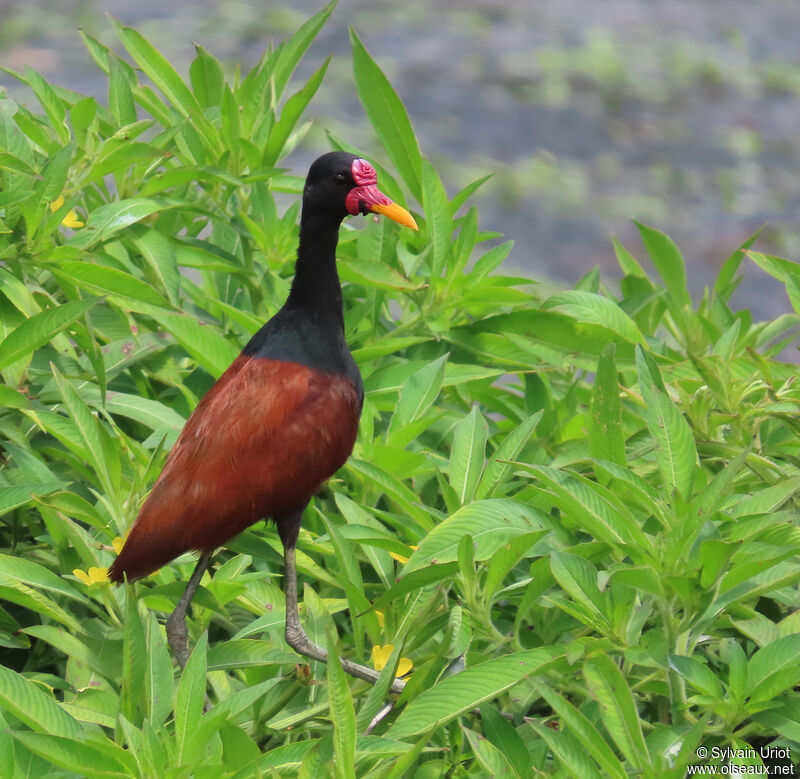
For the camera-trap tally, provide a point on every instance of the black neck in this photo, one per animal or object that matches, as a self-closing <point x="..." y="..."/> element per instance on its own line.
<point x="316" y="286"/>
<point x="309" y="328"/>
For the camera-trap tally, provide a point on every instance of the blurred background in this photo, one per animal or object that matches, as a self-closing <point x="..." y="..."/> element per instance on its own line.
<point x="680" y="113"/>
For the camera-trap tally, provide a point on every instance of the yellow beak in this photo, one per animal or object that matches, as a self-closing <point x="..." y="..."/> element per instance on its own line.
<point x="396" y="213"/>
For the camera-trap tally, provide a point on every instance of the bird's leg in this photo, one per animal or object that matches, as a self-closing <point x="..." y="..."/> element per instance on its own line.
<point x="177" y="634"/>
<point x="296" y="637"/>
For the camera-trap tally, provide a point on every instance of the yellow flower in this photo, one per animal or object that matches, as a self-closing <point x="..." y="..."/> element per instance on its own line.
<point x="71" y="219"/>
<point x="381" y="618"/>
<point x="118" y="543"/>
<point x="381" y="655"/>
<point x="95" y="575"/>
<point x="400" y="558"/>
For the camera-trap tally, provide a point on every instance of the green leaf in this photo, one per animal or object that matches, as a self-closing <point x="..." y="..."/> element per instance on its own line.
<point x="458" y="201"/>
<point x="628" y="264"/>
<point x="10" y="162"/>
<point x="725" y="283"/>
<point x="27" y="463"/>
<point x="158" y="674"/>
<point x="159" y="252"/>
<point x="190" y="696"/>
<point x="159" y="71"/>
<point x="120" y="287"/>
<point x="92" y="435"/>
<point x="490" y="524"/>
<point x="120" y="96"/>
<point x="51" y="103"/>
<point x="584" y="731"/>
<point x="342" y="713"/>
<point x="239" y="701"/>
<point x="468" y="454"/>
<point x="489" y="261"/>
<point x="201" y="341"/>
<point x="69" y="644"/>
<point x="649" y="374"/>
<point x="149" y="412"/>
<point x="706" y="503"/>
<point x="437" y="214"/>
<point x="606" y="437"/>
<point x="539" y="328"/>
<point x="502" y="734"/>
<point x="774" y="669"/>
<point x="98" y="52"/>
<point x="12" y="198"/>
<point x="714" y="557"/>
<point x="698" y="674"/>
<point x="373" y="273"/>
<point x="578" y="578"/>
<point x="391" y="378"/>
<point x="732" y="652"/>
<point x="292" y="50"/>
<point x="454" y="695"/>
<point x="504" y="559"/>
<point x="83" y="757"/>
<point x="467" y="238"/>
<point x="118" y="161"/>
<point x="778" y="267"/>
<point x="41" y="328"/>
<point x="767" y="499"/>
<point x="608" y="686"/>
<point x="291" y="113"/>
<point x="675" y="448"/>
<point x="414" y="582"/>
<point x="783" y="719"/>
<point x="497" y="468"/>
<point x="394" y="489"/>
<point x="108" y="219"/>
<point x="29" y="703"/>
<point x="37" y="576"/>
<point x="644" y="578"/>
<point x="134" y="659"/>
<point x="20" y="494"/>
<point x="595" y="309"/>
<point x="15" y="591"/>
<point x="669" y="263"/>
<point x="207" y="77"/>
<point x="388" y="116"/>
<point x="55" y="172"/>
<point x="488" y="756"/>
<point x="243" y="653"/>
<point x="418" y="393"/>
<point x="568" y="752"/>
<point x="590" y="506"/>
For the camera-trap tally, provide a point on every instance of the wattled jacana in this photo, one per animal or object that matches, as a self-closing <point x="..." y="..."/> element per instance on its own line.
<point x="278" y="422"/>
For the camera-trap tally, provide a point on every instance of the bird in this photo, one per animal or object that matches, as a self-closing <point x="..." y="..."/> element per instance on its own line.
<point x="280" y="421"/>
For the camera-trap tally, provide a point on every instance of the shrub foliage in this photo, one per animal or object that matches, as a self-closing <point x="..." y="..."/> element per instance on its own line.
<point x="575" y="514"/>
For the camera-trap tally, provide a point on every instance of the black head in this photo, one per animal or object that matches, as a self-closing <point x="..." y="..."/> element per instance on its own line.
<point x="340" y="184"/>
<point x="329" y="181"/>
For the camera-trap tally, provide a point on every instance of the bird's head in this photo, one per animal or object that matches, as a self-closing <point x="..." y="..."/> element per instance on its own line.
<point x="341" y="184"/>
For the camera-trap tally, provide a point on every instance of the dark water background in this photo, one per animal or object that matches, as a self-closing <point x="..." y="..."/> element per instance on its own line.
<point x="681" y="113"/>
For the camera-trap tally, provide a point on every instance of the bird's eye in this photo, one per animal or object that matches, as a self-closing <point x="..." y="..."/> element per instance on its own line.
<point x="340" y="178"/>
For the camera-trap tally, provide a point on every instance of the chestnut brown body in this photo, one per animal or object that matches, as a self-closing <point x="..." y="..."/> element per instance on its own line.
<point x="259" y="444"/>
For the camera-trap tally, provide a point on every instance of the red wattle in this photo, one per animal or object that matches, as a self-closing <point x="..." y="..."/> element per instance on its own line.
<point x="366" y="190"/>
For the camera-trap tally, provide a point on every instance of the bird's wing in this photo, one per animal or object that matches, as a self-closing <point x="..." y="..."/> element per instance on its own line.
<point x="259" y="443"/>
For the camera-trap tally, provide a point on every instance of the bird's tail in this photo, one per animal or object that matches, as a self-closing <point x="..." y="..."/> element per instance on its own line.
<point x="145" y="551"/>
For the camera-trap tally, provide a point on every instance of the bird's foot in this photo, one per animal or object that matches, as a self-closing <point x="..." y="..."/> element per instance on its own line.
<point x="297" y="639"/>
